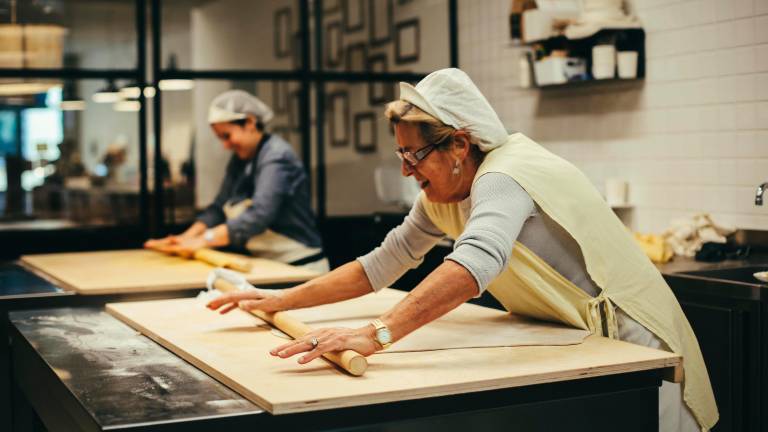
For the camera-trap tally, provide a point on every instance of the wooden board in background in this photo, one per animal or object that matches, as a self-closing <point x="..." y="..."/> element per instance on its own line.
<point x="139" y="270"/>
<point x="233" y="348"/>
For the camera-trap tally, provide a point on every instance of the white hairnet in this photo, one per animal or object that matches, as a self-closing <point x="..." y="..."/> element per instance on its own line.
<point x="235" y="105"/>
<point x="450" y="96"/>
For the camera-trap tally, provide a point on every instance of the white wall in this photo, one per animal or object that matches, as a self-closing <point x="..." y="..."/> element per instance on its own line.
<point x="692" y="138"/>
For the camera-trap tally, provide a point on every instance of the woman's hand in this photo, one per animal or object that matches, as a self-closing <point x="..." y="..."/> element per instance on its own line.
<point x="185" y="247"/>
<point x="266" y="300"/>
<point x="329" y="340"/>
<point x="161" y="243"/>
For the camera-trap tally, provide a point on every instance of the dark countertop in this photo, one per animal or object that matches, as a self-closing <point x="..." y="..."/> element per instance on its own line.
<point x="16" y="281"/>
<point x="120" y="375"/>
<point x="684" y="264"/>
<point x="82" y="369"/>
<point x="681" y="283"/>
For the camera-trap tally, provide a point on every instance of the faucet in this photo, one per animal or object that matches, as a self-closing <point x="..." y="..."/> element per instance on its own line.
<point x="759" y="193"/>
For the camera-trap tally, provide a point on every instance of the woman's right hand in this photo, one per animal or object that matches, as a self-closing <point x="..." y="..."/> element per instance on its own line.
<point x="266" y="300"/>
<point x="162" y="244"/>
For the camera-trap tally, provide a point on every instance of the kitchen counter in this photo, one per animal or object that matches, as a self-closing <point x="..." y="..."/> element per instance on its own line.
<point x="728" y="318"/>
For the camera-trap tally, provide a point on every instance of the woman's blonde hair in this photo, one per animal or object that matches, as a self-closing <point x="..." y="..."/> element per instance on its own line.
<point x="432" y="130"/>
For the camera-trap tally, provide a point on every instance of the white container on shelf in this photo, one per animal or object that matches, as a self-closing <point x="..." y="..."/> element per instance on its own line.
<point x="603" y="61"/>
<point x="627" y="61"/>
<point x="616" y="192"/>
<point x="537" y="25"/>
<point x="550" y="70"/>
<point x="558" y="70"/>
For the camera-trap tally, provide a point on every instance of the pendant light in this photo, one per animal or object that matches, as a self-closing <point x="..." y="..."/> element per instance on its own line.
<point x="175" y="84"/>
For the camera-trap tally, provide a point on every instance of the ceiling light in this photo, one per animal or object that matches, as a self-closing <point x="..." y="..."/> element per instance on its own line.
<point x="149" y="92"/>
<point x="131" y="91"/>
<point x="108" y="94"/>
<point x="176" y="84"/>
<point x="127" y="106"/>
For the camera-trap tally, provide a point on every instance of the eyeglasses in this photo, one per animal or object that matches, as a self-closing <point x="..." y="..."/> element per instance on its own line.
<point x="414" y="158"/>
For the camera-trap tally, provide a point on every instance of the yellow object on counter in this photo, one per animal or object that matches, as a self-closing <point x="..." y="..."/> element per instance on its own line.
<point x="655" y="247"/>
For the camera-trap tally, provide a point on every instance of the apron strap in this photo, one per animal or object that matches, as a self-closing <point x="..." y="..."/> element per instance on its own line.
<point x="602" y="307"/>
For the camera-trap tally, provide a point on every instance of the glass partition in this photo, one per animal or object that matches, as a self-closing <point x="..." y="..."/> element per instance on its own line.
<point x="195" y="157"/>
<point x="68" y="161"/>
<point x="359" y="145"/>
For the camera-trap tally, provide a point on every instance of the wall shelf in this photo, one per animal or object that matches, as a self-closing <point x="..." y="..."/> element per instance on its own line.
<point x="632" y="39"/>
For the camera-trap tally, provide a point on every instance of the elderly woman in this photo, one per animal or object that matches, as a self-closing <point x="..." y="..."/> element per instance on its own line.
<point x="263" y="205"/>
<point x="528" y="226"/>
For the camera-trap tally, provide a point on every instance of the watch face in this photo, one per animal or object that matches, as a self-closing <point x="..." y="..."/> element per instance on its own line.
<point x="384" y="336"/>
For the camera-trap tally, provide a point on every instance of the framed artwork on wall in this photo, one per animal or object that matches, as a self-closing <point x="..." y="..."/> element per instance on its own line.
<point x="353" y="15"/>
<point x="378" y="92"/>
<point x="294" y="101"/>
<point x="280" y="96"/>
<point x="365" y="132"/>
<point x="283" y="33"/>
<point x="338" y="118"/>
<point x="357" y="57"/>
<point x="333" y="44"/>
<point x="407" y="41"/>
<point x="380" y="18"/>
<point x="296" y="50"/>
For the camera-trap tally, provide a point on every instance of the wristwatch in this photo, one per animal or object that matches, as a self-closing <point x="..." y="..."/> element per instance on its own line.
<point x="383" y="335"/>
<point x="208" y="235"/>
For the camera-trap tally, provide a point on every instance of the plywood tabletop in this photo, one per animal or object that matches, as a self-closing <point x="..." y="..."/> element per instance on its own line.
<point x="233" y="348"/>
<point x="139" y="270"/>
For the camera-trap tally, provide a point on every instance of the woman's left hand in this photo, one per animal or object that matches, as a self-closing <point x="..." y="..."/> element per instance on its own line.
<point x="329" y="340"/>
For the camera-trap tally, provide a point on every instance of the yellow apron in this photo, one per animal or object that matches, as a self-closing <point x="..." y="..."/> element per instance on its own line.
<point x="529" y="286"/>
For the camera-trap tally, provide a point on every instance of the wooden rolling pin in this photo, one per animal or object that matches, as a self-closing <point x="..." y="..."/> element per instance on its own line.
<point x="223" y="259"/>
<point x="348" y="360"/>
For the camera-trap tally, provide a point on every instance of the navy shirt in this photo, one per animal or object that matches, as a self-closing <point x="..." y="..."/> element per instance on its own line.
<point x="278" y="185"/>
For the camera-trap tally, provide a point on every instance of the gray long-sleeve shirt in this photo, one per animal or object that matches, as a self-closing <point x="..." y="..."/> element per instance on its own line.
<point x="275" y="180"/>
<point x="498" y="212"/>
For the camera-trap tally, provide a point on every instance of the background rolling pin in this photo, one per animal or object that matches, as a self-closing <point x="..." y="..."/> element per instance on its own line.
<point x="223" y="259"/>
<point x="348" y="360"/>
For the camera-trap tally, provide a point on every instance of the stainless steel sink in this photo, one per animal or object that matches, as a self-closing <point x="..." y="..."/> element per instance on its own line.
<point x="735" y="274"/>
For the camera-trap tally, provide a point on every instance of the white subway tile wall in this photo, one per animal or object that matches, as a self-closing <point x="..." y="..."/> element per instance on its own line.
<point x="692" y="137"/>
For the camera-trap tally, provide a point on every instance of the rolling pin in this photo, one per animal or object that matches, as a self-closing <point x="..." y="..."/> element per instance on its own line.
<point x="348" y="360"/>
<point x="223" y="259"/>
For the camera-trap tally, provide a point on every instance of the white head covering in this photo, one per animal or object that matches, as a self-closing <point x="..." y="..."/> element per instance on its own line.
<point x="450" y="96"/>
<point x="236" y="105"/>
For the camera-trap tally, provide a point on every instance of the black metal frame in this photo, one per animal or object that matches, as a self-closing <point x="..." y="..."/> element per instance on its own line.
<point x="400" y="57"/>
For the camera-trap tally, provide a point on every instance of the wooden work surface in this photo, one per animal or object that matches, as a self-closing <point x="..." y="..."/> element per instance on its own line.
<point x="233" y="348"/>
<point x="139" y="270"/>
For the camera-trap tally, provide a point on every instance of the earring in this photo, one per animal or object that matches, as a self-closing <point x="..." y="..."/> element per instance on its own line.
<point x="456" y="169"/>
